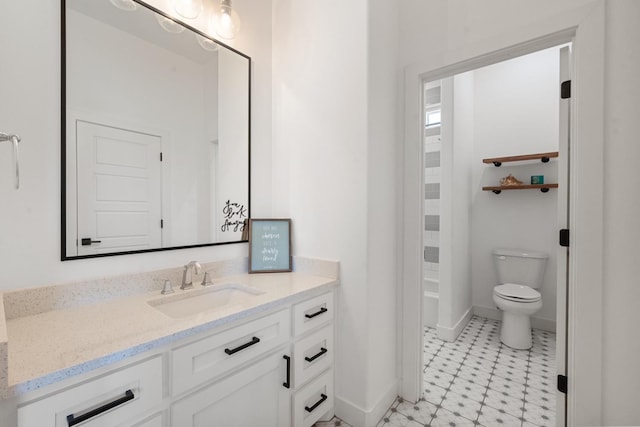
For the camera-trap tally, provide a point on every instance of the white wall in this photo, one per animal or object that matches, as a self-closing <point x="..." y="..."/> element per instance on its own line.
<point x="516" y="112"/>
<point x="458" y="142"/>
<point x="621" y="344"/>
<point x="30" y="92"/>
<point x="333" y="168"/>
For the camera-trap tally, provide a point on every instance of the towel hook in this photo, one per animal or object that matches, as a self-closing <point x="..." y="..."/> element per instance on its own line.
<point x="15" y="140"/>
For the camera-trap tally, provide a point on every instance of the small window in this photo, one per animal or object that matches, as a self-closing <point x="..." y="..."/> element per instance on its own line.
<point x="432" y="118"/>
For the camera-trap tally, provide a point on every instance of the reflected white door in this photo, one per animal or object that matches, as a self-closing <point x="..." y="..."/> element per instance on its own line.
<point x="119" y="189"/>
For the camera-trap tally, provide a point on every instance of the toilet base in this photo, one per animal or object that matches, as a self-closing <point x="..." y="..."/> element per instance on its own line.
<point x="516" y="331"/>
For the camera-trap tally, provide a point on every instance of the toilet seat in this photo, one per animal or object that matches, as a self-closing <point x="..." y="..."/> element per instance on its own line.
<point x="517" y="293"/>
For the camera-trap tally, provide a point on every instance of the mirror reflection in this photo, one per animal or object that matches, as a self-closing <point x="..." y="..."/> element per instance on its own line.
<point x="156" y="133"/>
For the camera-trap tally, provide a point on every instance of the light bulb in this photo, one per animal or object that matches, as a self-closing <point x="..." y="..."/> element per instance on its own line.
<point x="207" y="44"/>
<point x="169" y="25"/>
<point x="227" y="21"/>
<point x="128" y="5"/>
<point x="188" y="8"/>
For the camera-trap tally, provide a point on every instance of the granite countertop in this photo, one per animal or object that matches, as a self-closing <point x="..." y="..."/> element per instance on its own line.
<point x="41" y="347"/>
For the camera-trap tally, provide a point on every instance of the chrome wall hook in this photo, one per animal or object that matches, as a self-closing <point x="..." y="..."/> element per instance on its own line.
<point x="15" y="140"/>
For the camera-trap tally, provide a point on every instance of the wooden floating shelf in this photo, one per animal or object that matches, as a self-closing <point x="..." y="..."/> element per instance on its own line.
<point x="544" y="157"/>
<point x="542" y="187"/>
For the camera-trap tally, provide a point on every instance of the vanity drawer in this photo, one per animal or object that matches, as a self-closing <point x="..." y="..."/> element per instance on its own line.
<point x="313" y="401"/>
<point x="200" y="361"/>
<point x="313" y="354"/>
<point x="314" y="312"/>
<point x="103" y="402"/>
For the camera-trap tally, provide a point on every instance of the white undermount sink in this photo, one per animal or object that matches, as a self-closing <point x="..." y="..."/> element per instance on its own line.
<point x="215" y="297"/>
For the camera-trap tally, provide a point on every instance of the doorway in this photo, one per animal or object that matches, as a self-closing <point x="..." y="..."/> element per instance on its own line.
<point x="464" y="227"/>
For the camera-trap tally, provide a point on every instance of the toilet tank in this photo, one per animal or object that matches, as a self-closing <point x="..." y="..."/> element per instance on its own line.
<point x="520" y="266"/>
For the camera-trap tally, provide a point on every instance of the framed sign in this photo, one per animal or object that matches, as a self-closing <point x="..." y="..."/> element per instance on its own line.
<point x="269" y="245"/>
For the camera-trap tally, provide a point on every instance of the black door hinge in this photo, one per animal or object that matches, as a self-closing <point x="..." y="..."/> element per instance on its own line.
<point x="565" y="89"/>
<point x="161" y="156"/>
<point x="562" y="383"/>
<point x="564" y="237"/>
<point x="162" y="223"/>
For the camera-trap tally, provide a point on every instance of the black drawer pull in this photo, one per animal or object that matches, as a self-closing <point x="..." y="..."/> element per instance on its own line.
<point x="287" y="383"/>
<point x="73" y="420"/>
<point x="312" y="358"/>
<point x="254" y="340"/>
<point x="323" y="397"/>
<point x="317" y="313"/>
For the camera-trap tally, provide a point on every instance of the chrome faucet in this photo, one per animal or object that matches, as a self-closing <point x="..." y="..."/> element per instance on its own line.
<point x="188" y="272"/>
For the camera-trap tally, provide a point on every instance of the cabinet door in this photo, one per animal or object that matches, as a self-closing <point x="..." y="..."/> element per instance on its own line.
<point x="254" y="396"/>
<point x="106" y="401"/>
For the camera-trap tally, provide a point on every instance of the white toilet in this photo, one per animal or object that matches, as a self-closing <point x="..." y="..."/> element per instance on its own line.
<point x="520" y="273"/>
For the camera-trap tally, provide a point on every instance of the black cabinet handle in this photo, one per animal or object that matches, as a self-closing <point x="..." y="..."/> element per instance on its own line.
<point x="323" y="397"/>
<point x="312" y="358"/>
<point x="73" y="420"/>
<point x="86" y="241"/>
<point x="287" y="383"/>
<point x="317" y="313"/>
<point x="254" y="340"/>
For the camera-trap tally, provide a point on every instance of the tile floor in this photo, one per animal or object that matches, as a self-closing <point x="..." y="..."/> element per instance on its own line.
<point x="477" y="381"/>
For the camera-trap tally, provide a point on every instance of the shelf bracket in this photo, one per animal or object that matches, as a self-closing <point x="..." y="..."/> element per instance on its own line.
<point x="497" y="164"/>
<point x="545" y="160"/>
<point x="544" y="189"/>
<point x="496" y="191"/>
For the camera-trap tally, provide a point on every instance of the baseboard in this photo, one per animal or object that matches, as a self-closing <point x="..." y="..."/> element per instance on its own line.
<point x="450" y="334"/>
<point x="359" y="417"/>
<point x="495" y="314"/>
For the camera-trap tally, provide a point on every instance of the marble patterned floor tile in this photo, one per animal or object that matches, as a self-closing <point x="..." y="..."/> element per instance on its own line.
<point x="421" y="411"/>
<point x="442" y="364"/>
<point x="478" y="381"/>
<point x="461" y="406"/>
<point x="511" y="388"/>
<point x="452" y="355"/>
<point x="445" y="418"/>
<point x="539" y="416"/>
<point x="484" y="353"/>
<point x="510" y="374"/>
<point x="544" y="398"/>
<point x="468" y="390"/>
<point x="491" y="417"/>
<point x="437" y="377"/>
<point x="508" y="404"/>
<point x="479" y="363"/>
<point x="433" y="393"/>
<point x="474" y="374"/>
<point x="335" y="422"/>
<point x="395" y="419"/>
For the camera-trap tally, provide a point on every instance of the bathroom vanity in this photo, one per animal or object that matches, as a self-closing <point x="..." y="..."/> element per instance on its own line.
<point x="265" y="357"/>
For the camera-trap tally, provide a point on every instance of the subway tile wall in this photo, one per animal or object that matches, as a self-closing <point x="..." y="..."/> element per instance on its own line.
<point x="431" y="235"/>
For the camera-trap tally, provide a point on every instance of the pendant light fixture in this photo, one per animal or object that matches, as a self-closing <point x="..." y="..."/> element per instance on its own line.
<point x="226" y="20"/>
<point x="206" y="43"/>
<point x="128" y="5"/>
<point x="169" y="25"/>
<point x="190" y="9"/>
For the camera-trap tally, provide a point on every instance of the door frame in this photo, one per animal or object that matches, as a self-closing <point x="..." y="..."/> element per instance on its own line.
<point x="585" y="28"/>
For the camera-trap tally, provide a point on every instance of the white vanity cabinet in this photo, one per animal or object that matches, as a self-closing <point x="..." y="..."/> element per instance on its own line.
<point x="117" y="398"/>
<point x="313" y="359"/>
<point x="270" y="370"/>
<point x="254" y="396"/>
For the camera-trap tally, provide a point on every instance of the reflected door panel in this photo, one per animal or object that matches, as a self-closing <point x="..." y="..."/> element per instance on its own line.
<point x="119" y="189"/>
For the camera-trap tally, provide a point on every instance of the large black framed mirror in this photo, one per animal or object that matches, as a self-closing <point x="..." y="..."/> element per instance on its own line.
<point x="155" y="132"/>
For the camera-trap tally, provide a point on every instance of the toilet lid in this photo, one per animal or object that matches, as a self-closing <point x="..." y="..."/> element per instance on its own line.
<point x="515" y="292"/>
